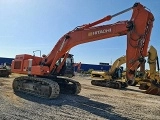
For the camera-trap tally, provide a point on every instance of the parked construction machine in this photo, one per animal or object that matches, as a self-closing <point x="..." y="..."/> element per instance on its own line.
<point x="149" y="80"/>
<point x="5" y="70"/>
<point x="46" y="75"/>
<point x="113" y="78"/>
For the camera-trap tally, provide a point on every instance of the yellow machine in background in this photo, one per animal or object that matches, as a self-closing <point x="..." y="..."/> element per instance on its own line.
<point x="150" y="81"/>
<point x="5" y="70"/>
<point x="113" y="78"/>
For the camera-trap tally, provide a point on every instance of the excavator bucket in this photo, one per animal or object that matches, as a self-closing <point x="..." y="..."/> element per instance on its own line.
<point x="144" y="86"/>
<point x="154" y="89"/>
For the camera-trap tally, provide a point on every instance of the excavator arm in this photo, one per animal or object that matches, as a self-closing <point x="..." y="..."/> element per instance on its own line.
<point x="138" y="40"/>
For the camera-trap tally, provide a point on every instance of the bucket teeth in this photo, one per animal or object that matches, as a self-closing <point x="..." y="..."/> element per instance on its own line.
<point x="143" y="86"/>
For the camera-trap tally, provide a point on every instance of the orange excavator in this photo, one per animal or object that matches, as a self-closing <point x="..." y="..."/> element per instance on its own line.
<point x="45" y="76"/>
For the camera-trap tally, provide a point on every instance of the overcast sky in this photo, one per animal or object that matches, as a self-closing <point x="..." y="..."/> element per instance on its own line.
<point x="28" y="25"/>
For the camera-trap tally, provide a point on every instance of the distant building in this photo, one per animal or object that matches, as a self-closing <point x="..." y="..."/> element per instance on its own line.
<point x="5" y="60"/>
<point x="103" y="63"/>
<point x="86" y="67"/>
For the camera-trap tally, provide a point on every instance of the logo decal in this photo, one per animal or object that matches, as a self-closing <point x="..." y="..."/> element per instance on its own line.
<point x="99" y="32"/>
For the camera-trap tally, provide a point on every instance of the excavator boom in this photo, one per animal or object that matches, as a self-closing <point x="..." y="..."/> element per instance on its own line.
<point x="117" y="64"/>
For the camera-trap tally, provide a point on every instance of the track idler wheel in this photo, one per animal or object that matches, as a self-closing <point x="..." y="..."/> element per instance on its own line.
<point x="15" y="86"/>
<point x="117" y="85"/>
<point x="154" y="89"/>
<point x="124" y="85"/>
<point x="93" y="82"/>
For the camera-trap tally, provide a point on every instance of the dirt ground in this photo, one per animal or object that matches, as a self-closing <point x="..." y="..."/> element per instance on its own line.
<point x="93" y="103"/>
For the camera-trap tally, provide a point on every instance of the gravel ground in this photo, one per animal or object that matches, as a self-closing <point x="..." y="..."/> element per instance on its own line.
<point x="93" y="103"/>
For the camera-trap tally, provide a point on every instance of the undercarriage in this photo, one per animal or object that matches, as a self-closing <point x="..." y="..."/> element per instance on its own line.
<point x="45" y="87"/>
<point x="109" y="83"/>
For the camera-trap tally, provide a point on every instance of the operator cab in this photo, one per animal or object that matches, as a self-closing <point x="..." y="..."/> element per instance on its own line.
<point x="118" y="73"/>
<point x="67" y="68"/>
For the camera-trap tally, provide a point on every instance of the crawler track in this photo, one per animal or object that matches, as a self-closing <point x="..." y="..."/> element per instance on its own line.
<point x="45" y="87"/>
<point x="107" y="83"/>
<point x="68" y="86"/>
